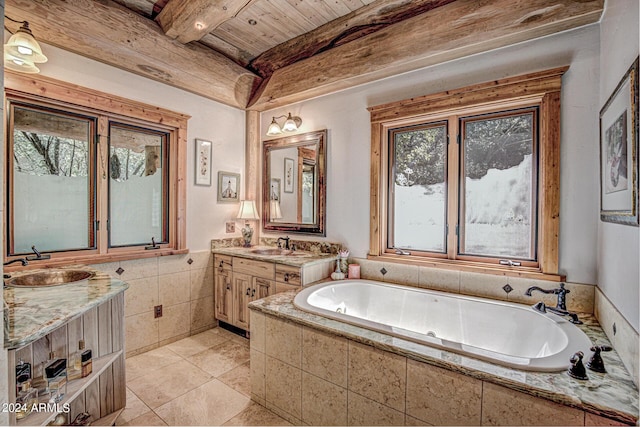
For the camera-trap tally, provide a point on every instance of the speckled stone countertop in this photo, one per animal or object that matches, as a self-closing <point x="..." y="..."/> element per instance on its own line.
<point x="296" y="259"/>
<point x="31" y="313"/>
<point x="612" y="395"/>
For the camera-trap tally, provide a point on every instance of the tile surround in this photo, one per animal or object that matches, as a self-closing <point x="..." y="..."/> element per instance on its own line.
<point x="184" y="290"/>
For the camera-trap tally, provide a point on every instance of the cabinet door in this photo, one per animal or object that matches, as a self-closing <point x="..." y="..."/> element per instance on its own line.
<point x="262" y="288"/>
<point x="242" y="289"/>
<point x="223" y="295"/>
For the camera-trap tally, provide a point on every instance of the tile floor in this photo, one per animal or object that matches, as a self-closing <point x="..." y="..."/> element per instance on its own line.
<point x="200" y="380"/>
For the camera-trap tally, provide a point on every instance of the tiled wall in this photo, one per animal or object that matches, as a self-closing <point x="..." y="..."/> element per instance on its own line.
<point x="312" y="378"/>
<point x="621" y="334"/>
<point x="182" y="284"/>
<point x="580" y="298"/>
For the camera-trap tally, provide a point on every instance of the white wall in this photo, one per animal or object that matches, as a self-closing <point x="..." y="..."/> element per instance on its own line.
<point x="210" y="120"/>
<point x="619" y="245"/>
<point x="345" y="116"/>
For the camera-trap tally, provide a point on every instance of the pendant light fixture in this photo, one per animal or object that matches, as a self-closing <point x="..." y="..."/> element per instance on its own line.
<point x="22" y="51"/>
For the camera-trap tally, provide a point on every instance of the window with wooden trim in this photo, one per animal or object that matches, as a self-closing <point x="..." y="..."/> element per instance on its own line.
<point x="470" y="178"/>
<point x="91" y="177"/>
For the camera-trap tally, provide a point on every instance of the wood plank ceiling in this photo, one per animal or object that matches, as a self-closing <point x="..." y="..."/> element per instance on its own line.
<point x="261" y="54"/>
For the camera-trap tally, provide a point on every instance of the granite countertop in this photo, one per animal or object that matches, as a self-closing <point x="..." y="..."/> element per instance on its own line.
<point x="612" y="395"/>
<point x="296" y="259"/>
<point x="31" y="313"/>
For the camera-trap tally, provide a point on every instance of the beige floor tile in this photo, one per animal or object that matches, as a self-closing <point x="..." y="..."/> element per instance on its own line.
<point x="238" y="379"/>
<point x="212" y="403"/>
<point x="150" y="361"/>
<point x="197" y="343"/>
<point x="256" y="415"/>
<point x="159" y="387"/>
<point x="134" y="409"/>
<point x="148" y="419"/>
<point x="221" y="358"/>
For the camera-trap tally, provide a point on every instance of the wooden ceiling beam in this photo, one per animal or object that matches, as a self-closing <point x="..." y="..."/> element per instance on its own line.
<point x="449" y="32"/>
<point x="109" y="33"/>
<point x="365" y="20"/>
<point x="190" y="20"/>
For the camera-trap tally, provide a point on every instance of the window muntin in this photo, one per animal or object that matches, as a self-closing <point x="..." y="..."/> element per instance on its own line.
<point x="138" y="185"/>
<point x="498" y="185"/>
<point x="417" y="188"/>
<point x="51" y="180"/>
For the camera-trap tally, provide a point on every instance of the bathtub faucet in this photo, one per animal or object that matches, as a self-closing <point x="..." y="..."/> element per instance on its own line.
<point x="561" y="305"/>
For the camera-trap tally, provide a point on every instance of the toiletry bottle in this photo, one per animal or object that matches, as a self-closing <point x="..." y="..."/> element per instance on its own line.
<point x="87" y="363"/>
<point x="27" y="397"/>
<point x="23" y="373"/>
<point x="39" y="380"/>
<point x="57" y="380"/>
<point x="74" y="367"/>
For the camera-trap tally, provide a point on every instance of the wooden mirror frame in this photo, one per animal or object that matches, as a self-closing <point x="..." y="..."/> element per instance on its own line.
<point x="318" y="227"/>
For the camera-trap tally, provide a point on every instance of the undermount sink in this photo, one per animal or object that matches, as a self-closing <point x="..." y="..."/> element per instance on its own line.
<point x="53" y="277"/>
<point x="278" y="252"/>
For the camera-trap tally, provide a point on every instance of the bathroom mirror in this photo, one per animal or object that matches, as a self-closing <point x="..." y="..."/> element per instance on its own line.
<point x="293" y="187"/>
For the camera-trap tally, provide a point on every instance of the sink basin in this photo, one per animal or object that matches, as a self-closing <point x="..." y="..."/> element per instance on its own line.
<point x="271" y="251"/>
<point x="278" y="252"/>
<point x="52" y="277"/>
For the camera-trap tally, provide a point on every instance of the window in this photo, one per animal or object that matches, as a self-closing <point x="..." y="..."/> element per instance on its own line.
<point x="469" y="178"/>
<point x="91" y="184"/>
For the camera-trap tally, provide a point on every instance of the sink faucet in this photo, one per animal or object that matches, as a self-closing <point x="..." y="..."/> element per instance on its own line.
<point x="286" y="242"/>
<point x="38" y="256"/>
<point x="22" y="260"/>
<point x="561" y="305"/>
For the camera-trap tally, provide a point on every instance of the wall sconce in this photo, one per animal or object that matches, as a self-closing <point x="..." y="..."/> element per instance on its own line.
<point x="22" y="51"/>
<point x="248" y="211"/>
<point x="290" y="124"/>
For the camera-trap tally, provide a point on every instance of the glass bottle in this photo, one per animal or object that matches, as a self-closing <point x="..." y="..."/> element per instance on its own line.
<point x="74" y="368"/>
<point x="27" y="397"/>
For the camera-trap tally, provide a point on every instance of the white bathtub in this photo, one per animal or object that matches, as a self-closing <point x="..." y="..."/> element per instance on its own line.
<point x="508" y="334"/>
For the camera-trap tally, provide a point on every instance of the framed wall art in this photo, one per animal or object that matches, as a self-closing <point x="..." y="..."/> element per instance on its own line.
<point x="619" y="152"/>
<point x="228" y="187"/>
<point x="288" y="175"/>
<point x="203" y="162"/>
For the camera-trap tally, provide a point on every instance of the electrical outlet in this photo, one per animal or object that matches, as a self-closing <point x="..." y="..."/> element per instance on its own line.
<point x="157" y="311"/>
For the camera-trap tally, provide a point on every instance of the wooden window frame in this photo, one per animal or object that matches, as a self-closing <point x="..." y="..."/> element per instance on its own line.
<point x="540" y="89"/>
<point x="40" y="90"/>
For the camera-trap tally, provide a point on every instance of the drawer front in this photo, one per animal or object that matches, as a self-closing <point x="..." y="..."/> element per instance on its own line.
<point x="288" y="275"/>
<point x="266" y="270"/>
<point x="281" y="287"/>
<point x="224" y="262"/>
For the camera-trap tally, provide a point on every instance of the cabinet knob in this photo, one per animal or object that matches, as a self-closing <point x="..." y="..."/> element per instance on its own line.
<point x="248" y="291"/>
<point x="286" y="277"/>
<point x="253" y="293"/>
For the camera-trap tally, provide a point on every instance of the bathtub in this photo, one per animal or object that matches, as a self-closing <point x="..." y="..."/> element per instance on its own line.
<point x="508" y="334"/>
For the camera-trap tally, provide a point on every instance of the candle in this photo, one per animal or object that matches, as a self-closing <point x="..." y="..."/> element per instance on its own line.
<point x="354" y="271"/>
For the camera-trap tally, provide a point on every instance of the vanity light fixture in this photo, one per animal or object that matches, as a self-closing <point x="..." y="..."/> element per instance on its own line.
<point x="22" y="51"/>
<point x="291" y="124"/>
<point x="248" y="211"/>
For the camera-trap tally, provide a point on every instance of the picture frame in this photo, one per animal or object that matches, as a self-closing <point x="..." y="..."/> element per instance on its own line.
<point x="288" y="175"/>
<point x="619" y="152"/>
<point x="275" y="189"/>
<point x="228" y="187"/>
<point x="203" y="162"/>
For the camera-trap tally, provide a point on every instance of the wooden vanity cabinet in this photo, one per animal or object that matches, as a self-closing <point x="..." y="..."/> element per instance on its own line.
<point x="238" y="281"/>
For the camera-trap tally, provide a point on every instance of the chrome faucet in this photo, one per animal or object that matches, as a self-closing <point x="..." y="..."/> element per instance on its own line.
<point x="22" y="260"/>
<point x="561" y="305"/>
<point x="286" y="242"/>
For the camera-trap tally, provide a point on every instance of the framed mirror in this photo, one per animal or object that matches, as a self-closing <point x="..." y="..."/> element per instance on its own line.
<point x="293" y="183"/>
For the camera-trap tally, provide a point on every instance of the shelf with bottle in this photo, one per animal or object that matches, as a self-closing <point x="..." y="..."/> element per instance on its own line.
<point x="74" y="389"/>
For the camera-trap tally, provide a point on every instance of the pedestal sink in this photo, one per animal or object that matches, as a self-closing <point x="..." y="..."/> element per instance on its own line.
<point x="53" y="277"/>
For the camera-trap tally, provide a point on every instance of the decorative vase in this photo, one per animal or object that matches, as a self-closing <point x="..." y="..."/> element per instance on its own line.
<point x="337" y="275"/>
<point x="343" y="256"/>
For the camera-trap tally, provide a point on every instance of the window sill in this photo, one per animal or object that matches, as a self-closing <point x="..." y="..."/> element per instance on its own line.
<point x="497" y="270"/>
<point x="93" y="259"/>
